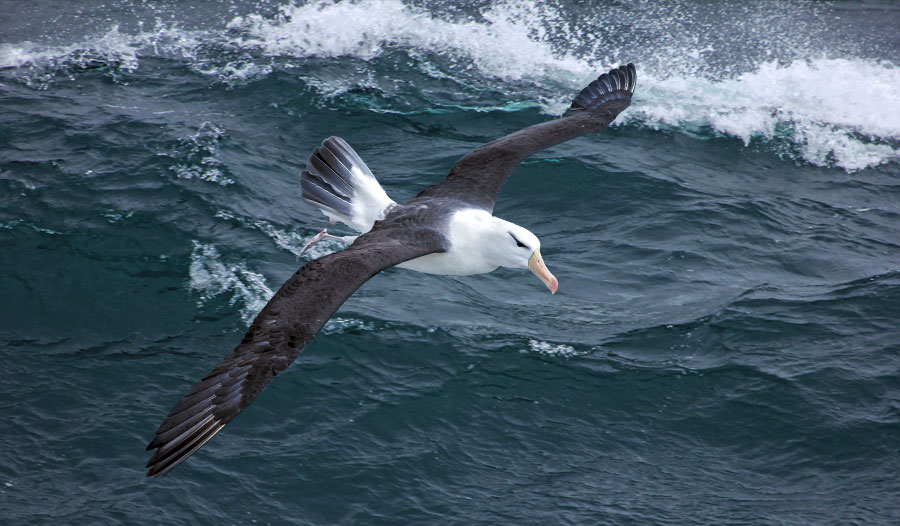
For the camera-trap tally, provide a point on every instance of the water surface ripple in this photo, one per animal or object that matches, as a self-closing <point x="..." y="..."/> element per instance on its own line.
<point x="723" y="348"/>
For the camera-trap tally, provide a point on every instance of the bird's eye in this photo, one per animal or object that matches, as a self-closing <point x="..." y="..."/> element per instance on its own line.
<point x="518" y="243"/>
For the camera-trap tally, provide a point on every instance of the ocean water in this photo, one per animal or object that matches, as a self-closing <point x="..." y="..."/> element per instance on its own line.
<point x="724" y="347"/>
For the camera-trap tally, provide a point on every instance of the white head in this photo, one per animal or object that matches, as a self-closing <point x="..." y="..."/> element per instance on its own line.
<point x="509" y="245"/>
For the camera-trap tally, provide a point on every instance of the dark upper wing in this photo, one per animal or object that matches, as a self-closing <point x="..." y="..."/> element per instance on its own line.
<point x="478" y="177"/>
<point x="280" y="331"/>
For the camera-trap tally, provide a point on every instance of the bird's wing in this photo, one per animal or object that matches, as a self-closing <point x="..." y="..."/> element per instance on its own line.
<point x="277" y="336"/>
<point x="478" y="177"/>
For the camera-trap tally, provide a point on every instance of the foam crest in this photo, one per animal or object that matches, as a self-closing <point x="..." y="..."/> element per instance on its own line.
<point x="832" y="111"/>
<point x="748" y="75"/>
<point x="212" y="277"/>
<point x="39" y="65"/>
<point x="507" y="42"/>
<point x="117" y="51"/>
<point x="110" y="47"/>
<point x="826" y="111"/>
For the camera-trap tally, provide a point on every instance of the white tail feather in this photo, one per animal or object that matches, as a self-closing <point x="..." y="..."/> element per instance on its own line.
<point x="338" y="181"/>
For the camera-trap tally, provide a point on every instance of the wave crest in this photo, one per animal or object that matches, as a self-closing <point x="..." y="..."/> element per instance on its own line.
<point x="784" y="77"/>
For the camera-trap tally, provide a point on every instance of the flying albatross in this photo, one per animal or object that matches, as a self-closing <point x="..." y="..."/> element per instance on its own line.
<point x="446" y="229"/>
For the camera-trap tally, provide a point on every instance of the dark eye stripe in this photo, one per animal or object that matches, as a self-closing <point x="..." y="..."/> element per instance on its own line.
<point x="518" y="243"/>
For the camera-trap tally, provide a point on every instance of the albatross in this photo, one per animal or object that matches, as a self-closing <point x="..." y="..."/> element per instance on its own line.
<point x="448" y="228"/>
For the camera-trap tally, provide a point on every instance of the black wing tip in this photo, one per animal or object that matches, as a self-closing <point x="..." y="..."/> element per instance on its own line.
<point x="617" y="83"/>
<point x="169" y="455"/>
<point x="197" y="417"/>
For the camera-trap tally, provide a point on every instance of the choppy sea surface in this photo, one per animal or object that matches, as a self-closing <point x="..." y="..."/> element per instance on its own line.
<point x="724" y="347"/>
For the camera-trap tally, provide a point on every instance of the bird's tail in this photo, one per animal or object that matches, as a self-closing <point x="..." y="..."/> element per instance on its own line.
<point x="341" y="184"/>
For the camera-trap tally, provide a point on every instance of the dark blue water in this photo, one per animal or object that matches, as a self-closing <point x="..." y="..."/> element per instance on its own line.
<point x="723" y="349"/>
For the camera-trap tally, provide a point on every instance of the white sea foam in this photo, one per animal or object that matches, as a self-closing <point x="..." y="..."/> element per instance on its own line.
<point x="201" y="150"/>
<point x="211" y="277"/>
<point x="111" y="46"/>
<point x="841" y="112"/>
<point x="550" y="349"/>
<point x="508" y="43"/>
<point x="836" y="111"/>
<point x="778" y="83"/>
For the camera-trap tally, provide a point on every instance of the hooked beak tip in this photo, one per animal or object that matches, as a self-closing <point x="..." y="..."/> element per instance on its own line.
<point x="536" y="265"/>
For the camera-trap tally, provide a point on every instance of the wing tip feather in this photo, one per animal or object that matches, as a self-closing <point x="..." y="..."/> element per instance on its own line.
<point x="617" y="83"/>
<point x="163" y="462"/>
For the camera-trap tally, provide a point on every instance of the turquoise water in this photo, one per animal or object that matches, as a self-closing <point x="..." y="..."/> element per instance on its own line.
<point x="723" y="348"/>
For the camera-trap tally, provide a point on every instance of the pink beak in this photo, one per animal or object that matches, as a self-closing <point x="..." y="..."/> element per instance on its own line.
<point x="536" y="265"/>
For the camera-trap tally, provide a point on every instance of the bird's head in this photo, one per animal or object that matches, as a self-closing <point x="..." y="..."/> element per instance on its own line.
<point x="512" y="246"/>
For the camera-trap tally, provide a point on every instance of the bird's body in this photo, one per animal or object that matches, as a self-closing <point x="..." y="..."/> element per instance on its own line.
<point x="344" y="188"/>
<point x="446" y="229"/>
<point x="466" y="231"/>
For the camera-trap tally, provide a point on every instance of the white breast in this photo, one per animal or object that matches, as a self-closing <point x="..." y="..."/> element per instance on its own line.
<point x="466" y="232"/>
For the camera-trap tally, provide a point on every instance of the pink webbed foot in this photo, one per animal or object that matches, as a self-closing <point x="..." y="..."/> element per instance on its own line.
<point x="325" y="235"/>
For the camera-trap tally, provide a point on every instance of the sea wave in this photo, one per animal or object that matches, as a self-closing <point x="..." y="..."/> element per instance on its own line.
<point x="212" y="276"/>
<point x="804" y="93"/>
<point x="838" y="112"/>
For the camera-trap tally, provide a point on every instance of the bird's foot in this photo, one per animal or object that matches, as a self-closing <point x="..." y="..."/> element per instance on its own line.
<point x="319" y="237"/>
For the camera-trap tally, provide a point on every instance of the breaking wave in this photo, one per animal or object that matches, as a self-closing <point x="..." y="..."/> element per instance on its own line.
<point x="779" y="76"/>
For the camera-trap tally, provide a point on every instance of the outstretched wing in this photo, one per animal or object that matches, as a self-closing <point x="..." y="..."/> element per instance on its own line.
<point x="478" y="177"/>
<point x="277" y="336"/>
